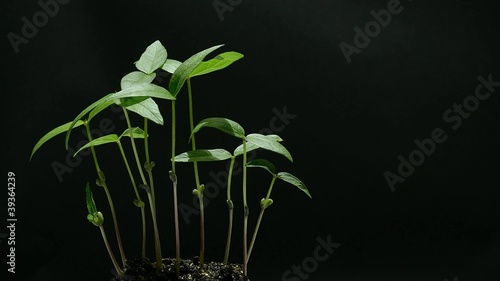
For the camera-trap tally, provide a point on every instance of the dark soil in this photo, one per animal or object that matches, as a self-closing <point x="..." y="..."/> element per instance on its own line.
<point x="144" y="270"/>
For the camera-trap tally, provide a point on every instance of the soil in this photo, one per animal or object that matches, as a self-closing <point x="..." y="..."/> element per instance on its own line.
<point x="144" y="270"/>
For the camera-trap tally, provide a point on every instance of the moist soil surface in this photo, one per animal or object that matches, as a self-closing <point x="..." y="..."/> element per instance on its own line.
<point x="144" y="270"/>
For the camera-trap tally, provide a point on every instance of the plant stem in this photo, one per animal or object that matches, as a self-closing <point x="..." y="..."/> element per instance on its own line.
<point x="102" y="181"/>
<point x="196" y="175"/>
<point x="110" y="252"/>
<point x="261" y="214"/>
<point x="231" y="210"/>
<point x="245" y="208"/>
<point x="159" y="261"/>
<point x="173" y="177"/>
<point x="140" y="203"/>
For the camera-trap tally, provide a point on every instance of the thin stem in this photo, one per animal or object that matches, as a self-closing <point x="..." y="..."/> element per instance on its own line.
<point x="231" y="210"/>
<point x="139" y="202"/>
<point x="159" y="261"/>
<point x="102" y="181"/>
<point x="196" y="175"/>
<point x="134" y="148"/>
<point x="110" y="252"/>
<point x="245" y="208"/>
<point x="173" y="177"/>
<point x="149" y="164"/>
<point x="261" y="214"/>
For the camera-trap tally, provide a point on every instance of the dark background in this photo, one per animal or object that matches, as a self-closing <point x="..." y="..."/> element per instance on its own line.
<point x="352" y="121"/>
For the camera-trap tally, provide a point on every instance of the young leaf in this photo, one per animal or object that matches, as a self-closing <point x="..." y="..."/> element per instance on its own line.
<point x="171" y="65"/>
<point x="153" y="58"/>
<point x="182" y="72"/>
<point x="91" y="207"/>
<point x="99" y="141"/>
<point x="93" y="216"/>
<point x="264" y="164"/>
<point x="251" y="146"/>
<point x="89" y="108"/>
<point x="203" y="155"/>
<point x="142" y="90"/>
<point x="54" y="132"/>
<point x="269" y="144"/>
<point x="223" y="124"/>
<point x="136" y="78"/>
<point x="219" y="62"/>
<point x="295" y="181"/>
<point x="137" y="133"/>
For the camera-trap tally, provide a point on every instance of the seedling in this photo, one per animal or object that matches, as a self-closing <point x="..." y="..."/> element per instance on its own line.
<point x="137" y="95"/>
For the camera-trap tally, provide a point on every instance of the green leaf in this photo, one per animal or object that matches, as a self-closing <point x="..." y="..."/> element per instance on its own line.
<point x="171" y="65"/>
<point x="99" y="141"/>
<point x="289" y="178"/>
<point x="137" y="133"/>
<point x="203" y="155"/>
<point x="251" y="146"/>
<point x="269" y="144"/>
<point x="136" y="78"/>
<point x="147" y="109"/>
<point x="94" y="216"/>
<point x="153" y="58"/>
<point x="91" y="207"/>
<point x="98" y="109"/>
<point x="219" y="62"/>
<point x="142" y="90"/>
<point x="182" y="72"/>
<point x="54" y="132"/>
<point x="223" y="124"/>
<point x="264" y="164"/>
<point x="89" y="108"/>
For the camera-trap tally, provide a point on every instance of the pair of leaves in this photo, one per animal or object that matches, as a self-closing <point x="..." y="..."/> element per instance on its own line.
<point x="136" y="133"/>
<point x="194" y="66"/>
<point x="232" y="128"/>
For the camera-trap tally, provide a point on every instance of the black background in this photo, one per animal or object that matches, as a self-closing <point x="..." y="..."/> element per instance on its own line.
<point x="351" y="122"/>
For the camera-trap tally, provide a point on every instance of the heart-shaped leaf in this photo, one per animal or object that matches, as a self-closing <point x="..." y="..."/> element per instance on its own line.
<point x="182" y="72"/>
<point x="269" y="144"/>
<point x="289" y="178"/>
<point x="52" y="133"/>
<point x="203" y="155"/>
<point x="153" y="58"/>
<point x="225" y="125"/>
<point x="219" y="62"/>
